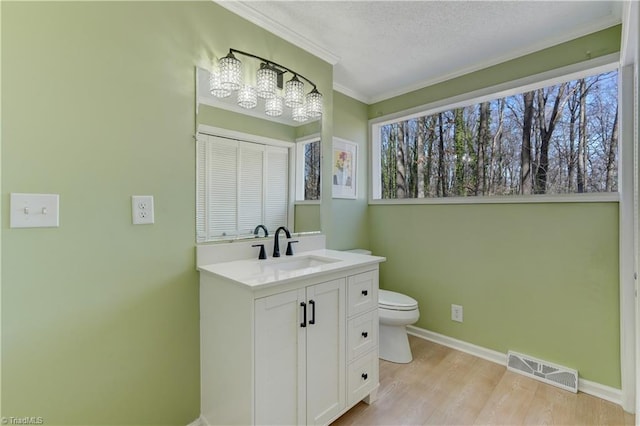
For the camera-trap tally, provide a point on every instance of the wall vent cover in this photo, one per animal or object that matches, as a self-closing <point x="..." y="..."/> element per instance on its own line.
<point x="557" y="375"/>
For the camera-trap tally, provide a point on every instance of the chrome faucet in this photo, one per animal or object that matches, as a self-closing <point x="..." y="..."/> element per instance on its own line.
<point x="276" y="244"/>
<point x="255" y="231"/>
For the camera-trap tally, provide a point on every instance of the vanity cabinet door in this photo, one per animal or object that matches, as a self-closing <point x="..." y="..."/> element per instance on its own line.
<point x="280" y="364"/>
<point x="326" y="393"/>
<point x="300" y="341"/>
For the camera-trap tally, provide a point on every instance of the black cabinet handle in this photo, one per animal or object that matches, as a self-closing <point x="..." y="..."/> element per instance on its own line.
<point x="365" y="334"/>
<point x="365" y="292"/>
<point x="304" y="310"/>
<point x="364" y="376"/>
<point x="313" y="311"/>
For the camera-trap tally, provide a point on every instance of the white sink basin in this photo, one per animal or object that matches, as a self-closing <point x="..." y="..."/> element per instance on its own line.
<point x="255" y="273"/>
<point x="295" y="263"/>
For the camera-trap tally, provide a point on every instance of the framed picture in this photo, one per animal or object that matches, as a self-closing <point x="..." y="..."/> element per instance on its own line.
<point x="344" y="162"/>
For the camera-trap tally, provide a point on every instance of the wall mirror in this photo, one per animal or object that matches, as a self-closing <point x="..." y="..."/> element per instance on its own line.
<point x="253" y="169"/>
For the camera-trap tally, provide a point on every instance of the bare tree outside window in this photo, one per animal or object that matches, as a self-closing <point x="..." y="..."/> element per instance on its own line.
<point x="561" y="139"/>
<point x="312" y="171"/>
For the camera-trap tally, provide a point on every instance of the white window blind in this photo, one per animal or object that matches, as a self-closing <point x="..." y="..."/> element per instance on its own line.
<point x="239" y="185"/>
<point x="277" y="188"/>
<point x="250" y="188"/>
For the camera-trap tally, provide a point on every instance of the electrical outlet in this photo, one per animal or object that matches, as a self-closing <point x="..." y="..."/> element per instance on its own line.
<point x="456" y="313"/>
<point x="142" y="209"/>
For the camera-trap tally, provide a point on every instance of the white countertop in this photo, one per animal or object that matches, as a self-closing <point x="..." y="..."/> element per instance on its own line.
<point x="255" y="273"/>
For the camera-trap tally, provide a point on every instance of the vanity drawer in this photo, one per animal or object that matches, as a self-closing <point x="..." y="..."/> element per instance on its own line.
<point x="363" y="292"/>
<point x="362" y="334"/>
<point x="362" y="377"/>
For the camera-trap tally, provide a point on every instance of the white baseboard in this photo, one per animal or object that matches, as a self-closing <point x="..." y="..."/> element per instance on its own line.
<point x="198" y="422"/>
<point x="470" y="348"/>
<point x="592" y="388"/>
<point x="601" y="391"/>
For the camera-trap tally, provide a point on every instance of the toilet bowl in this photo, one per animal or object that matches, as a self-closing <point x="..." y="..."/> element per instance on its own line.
<point x="395" y="312"/>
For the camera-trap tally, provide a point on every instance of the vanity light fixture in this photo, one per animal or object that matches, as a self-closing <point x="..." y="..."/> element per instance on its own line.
<point x="215" y="86"/>
<point x="230" y="72"/>
<point x="273" y="107"/>
<point x="228" y="78"/>
<point x="294" y="92"/>
<point x="247" y="96"/>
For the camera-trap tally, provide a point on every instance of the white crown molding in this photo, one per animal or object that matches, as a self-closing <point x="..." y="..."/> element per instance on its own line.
<point x="252" y="15"/>
<point x="592" y="388"/>
<point x="351" y="93"/>
<point x="604" y="23"/>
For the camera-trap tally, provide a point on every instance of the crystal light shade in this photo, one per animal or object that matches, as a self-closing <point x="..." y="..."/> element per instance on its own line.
<point x="273" y="107"/>
<point x="299" y="113"/>
<point x="230" y="72"/>
<point x="266" y="84"/>
<point x="293" y="92"/>
<point x="215" y="86"/>
<point x="314" y="103"/>
<point x="247" y="97"/>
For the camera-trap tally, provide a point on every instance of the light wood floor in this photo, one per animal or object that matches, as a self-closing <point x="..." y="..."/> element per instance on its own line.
<point x="443" y="386"/>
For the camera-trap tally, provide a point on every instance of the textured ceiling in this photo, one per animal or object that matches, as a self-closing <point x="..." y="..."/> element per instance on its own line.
<point x="386" y="48"/>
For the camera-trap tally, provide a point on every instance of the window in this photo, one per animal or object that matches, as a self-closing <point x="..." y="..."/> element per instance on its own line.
<point x="559" y="138"/>
<point x="308" y="177"/>
<point x="239" y="185"/>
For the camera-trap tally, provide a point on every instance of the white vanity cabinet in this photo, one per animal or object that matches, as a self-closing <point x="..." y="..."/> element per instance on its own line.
<point x="302" y="351"/>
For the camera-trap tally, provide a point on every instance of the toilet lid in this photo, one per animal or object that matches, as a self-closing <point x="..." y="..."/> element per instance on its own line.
<point x="395" y="301"/>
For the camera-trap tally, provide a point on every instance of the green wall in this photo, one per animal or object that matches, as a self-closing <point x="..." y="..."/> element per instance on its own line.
<point x="309" y="129"/>
<point x="100" y="318"/>
<point x="348" y="225"/>
<point x="541" y="279"/>
<point x="230" y="120"/>
<point x="307" y="218"/>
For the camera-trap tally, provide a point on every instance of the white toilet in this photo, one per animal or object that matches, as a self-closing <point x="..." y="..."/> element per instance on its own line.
<point x="395" y="312"/>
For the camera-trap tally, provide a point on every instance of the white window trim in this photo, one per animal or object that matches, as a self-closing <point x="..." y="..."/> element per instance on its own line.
<point x="571" y="72"/>
<point x="226" y="133"/>
<point x="233" y="134"/>
<point x="599" y="197"/>
<point x="299" y="189"/>
<point x="307" y="202"/>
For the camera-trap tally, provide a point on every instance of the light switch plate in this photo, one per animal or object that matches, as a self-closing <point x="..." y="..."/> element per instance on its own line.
<point x="142" y="209"/>
<point x="34" y="211"/>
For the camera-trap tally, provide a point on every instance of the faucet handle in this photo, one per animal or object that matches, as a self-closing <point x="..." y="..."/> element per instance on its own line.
<point x="290" y="247"/>
<point x="263" y="254"/>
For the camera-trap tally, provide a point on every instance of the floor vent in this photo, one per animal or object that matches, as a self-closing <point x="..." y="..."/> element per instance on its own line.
<point x="556" y="375"/>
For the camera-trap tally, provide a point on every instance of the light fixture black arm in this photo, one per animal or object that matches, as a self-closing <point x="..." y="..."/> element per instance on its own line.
<point x="268" y="62"/>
